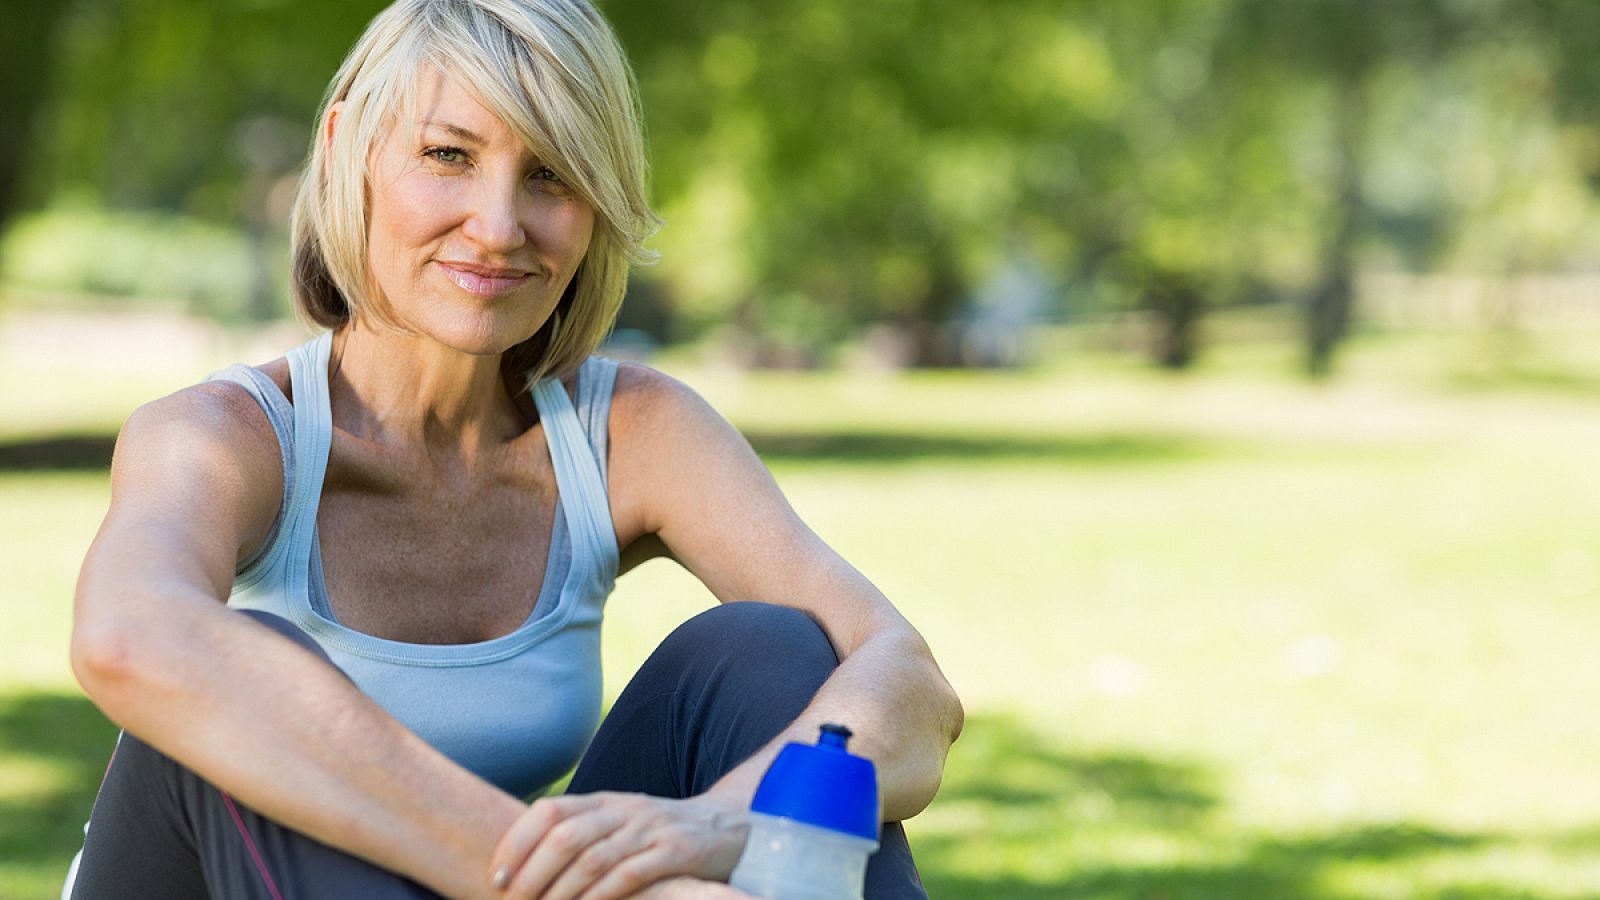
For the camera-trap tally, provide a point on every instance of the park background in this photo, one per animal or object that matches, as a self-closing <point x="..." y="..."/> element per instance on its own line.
<point x="1213" y="382"/>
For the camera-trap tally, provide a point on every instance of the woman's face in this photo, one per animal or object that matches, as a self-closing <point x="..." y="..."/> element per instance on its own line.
<point x="471" y="239"/>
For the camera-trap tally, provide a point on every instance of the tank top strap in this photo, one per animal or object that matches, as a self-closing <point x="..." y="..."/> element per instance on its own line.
<point x="313" y="435"/>
<point x="597" y="380"/>
<point x="281" y="416"/>
<point x="579" y="473"/>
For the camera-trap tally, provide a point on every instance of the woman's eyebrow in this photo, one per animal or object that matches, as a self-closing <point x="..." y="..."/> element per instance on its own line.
<point x="456" y="130"/>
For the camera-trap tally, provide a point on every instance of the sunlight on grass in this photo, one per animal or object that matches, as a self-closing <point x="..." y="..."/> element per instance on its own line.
<point x="50" y="520"/>
<point x="26" y="779"/>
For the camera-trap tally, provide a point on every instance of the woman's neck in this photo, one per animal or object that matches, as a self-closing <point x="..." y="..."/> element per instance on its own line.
<point x="406" y="390"/>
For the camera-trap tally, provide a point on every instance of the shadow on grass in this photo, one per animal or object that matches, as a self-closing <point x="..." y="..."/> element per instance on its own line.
<point x="889" y="446"/>
<point x="79" y="452"/>
<point x="1004" y="762"/>
<point x="57" y="745"/>
<point x="63" y="453"/>
<point x="1036" y="808"/>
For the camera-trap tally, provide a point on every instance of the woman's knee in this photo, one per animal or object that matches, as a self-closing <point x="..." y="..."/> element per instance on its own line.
<point x="715" y="691"/>
<point x="767" y="636"/>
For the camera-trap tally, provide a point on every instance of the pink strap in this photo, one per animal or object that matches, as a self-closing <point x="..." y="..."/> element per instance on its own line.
<point x="250" y="845"/>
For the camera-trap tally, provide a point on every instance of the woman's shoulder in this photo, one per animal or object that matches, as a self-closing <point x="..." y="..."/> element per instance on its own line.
<point x="216" y="426"/>
<point x="635" y="380"/>
<point x="208" y="443"/>
<point x="658" y="420"/>
<point x="665" y="439"/>
<point x="213" y="411"/>
<point x="647" y="399"/>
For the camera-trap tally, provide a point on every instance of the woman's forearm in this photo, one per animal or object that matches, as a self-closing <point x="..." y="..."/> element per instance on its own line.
<point x="902" y="711"/>
<point x="289" y="736"/>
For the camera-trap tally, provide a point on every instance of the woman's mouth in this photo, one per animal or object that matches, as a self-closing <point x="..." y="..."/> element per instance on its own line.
<point x="484" y="281"/>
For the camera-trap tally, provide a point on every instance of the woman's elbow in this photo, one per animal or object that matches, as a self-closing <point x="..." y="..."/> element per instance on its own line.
<point x="944" y="723"/>
<point x="104" y="657"/>
<point x="944" y="703"/>
<point x="917" y="785"/>
<point x="123" y="657"/>
<point x="955" y="713"/>
<point x="952" y="719"/>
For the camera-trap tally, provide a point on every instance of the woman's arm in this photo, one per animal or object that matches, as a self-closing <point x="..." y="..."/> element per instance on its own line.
<point x="690" y="478"/>
<point x="681" y="475"/>
<point x="196" y="480"/>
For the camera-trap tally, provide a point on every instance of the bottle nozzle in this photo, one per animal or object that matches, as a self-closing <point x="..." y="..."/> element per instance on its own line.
<point x="834" y="736"/>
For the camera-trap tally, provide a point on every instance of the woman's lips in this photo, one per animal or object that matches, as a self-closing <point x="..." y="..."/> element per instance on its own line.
<point x="485" y="282"/>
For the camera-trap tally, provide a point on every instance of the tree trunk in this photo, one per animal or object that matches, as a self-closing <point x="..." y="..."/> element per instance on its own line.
<point x="1176" y="304"/>
<point x="1329" y="306"/>
<point x="932" y="344"/>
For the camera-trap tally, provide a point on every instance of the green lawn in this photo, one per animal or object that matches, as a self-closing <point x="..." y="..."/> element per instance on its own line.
<point x="1226" y="636"/>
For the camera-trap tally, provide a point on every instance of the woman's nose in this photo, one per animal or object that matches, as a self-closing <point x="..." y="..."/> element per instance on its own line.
<point x="492" y="222"/>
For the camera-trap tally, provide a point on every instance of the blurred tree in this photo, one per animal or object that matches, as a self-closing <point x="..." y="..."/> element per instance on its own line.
<point x="826" y="166"/>
<point x="196" y="106"/>
<point x="1201" y="176"/>
<point x="25" y="87"/>
<point x="175" y="103"/>
<point x="829" y="165"/>
<point x="1568" y="31"/>
<point x="1334" y="54"/>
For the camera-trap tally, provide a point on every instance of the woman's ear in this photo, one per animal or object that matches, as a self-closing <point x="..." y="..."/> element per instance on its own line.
<point x="328" y="125"/>
<point x="329" y="122"/>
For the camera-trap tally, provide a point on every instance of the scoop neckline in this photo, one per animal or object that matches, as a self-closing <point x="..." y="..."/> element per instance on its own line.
<point x="303" y="538"/>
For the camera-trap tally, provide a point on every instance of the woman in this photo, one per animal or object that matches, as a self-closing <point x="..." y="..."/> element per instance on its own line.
<point x="431" y="496"/>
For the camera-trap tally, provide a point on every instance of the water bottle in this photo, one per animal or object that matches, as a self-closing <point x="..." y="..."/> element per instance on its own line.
<point x="813" y="823"/>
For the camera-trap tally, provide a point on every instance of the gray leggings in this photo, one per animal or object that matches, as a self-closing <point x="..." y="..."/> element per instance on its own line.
<point x="717" y="689"/>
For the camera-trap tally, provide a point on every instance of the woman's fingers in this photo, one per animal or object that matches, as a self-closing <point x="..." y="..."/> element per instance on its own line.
<point x="606" y="846"/>
<point x="679" y="842"/>
<point x="633" y="875"/>
<point x="525" y="832"/>
<point x="608" y="869"/>
<point x="545" y="838"/>
<point x="631" y="856"/>
<point x="563" y="844"/>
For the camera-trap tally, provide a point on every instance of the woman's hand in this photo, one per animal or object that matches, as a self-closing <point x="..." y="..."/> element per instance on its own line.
<point x="612" y="845"/>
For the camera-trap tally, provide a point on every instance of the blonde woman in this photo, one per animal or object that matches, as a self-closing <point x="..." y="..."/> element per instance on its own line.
<point x="346" y="605"/>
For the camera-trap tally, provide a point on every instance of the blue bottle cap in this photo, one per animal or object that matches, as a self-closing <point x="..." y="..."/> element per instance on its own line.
<point x="822" y="785"/>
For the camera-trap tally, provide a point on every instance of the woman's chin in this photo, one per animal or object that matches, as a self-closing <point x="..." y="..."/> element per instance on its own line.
<point x="480" y="335"/>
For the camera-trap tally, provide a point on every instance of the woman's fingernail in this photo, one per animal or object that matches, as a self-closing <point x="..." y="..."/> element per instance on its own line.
<point x="502" y="877"/>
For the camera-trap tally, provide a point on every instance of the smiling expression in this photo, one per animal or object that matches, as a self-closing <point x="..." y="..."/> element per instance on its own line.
<point x="471" y="238"/>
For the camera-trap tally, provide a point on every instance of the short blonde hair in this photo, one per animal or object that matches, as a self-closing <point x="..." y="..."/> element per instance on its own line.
<point x="554" y="73"/>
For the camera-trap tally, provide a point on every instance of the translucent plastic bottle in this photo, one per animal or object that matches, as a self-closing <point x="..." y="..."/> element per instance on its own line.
<point x="813" y="824"/>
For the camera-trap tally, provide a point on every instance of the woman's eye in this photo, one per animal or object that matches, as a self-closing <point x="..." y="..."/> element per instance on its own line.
<point x="450" y="155"/>
<point x="545" y="173"/>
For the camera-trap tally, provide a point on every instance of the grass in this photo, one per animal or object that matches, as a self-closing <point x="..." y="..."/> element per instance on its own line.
<point x="1223" y="636"/>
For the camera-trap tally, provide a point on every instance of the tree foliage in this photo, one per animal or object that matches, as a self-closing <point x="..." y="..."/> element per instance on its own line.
<point x="825" y="166"/>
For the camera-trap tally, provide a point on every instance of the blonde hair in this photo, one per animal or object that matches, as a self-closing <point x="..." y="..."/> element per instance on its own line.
<point x="553" y="72"/>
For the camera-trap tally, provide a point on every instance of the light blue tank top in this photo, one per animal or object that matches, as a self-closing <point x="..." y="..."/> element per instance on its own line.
<point x="519" y="709"/>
